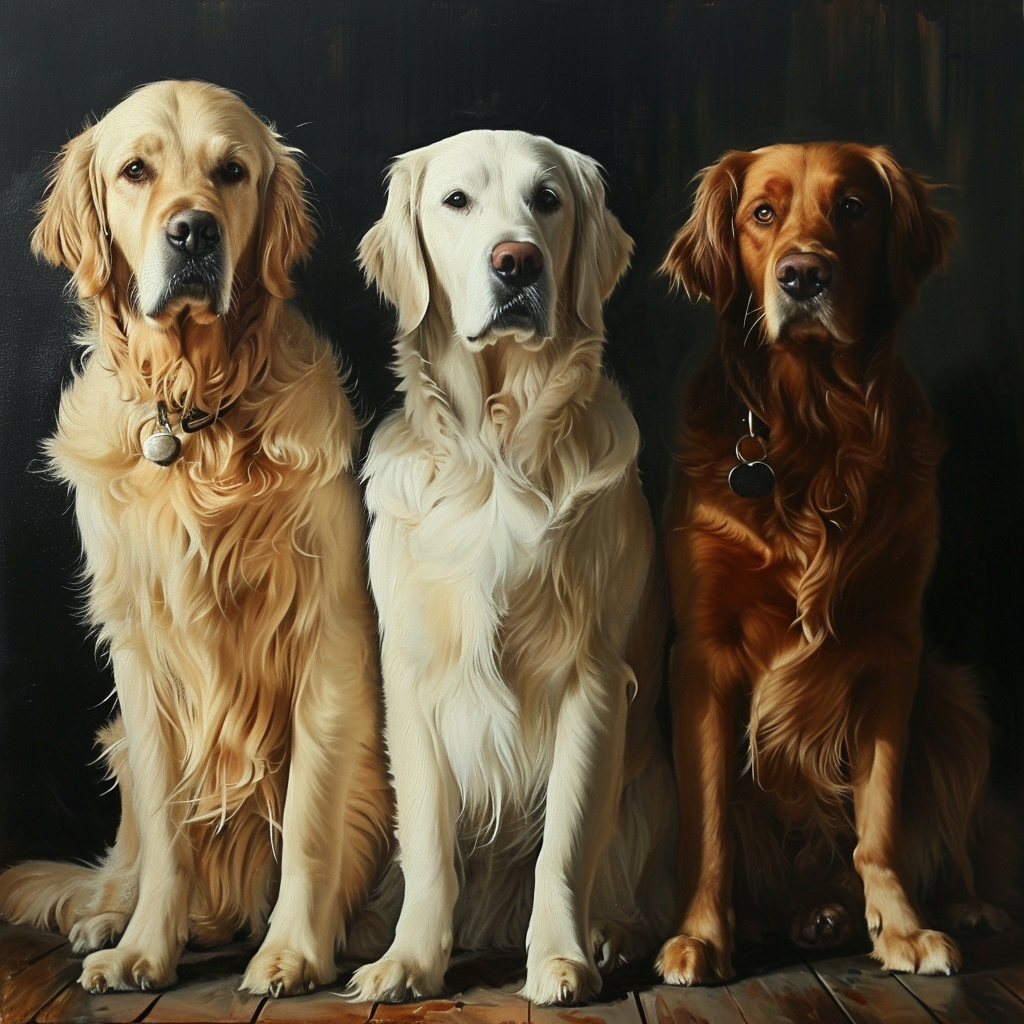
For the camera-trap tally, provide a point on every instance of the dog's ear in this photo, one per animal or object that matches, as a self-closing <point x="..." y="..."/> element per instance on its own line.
<point x="288" y="233"/>
<point x="602" y="248"/>
<point x="72" y="230"/>
<point x="919" y="233"/>
<point x="391" y="253"/>
<point x="704" y="257"/>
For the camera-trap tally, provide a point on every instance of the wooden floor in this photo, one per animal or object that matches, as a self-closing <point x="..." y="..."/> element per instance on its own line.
<point x="38" y="975"/>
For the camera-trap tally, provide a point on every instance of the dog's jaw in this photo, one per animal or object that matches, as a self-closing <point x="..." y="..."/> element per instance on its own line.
<point x="524" y="316"/>
<point x="168" y="285"/>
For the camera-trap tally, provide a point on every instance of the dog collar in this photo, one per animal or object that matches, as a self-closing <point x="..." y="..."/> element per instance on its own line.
<point x="753" y="477"/>
<point x="163" y="446"/>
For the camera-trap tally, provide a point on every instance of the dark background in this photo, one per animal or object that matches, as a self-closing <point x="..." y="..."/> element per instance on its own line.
<point x="655" y="91"/>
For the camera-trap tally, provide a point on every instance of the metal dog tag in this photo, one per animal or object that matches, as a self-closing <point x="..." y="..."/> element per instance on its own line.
<point x="752" y="479"/>
<point x="161" y="447"/>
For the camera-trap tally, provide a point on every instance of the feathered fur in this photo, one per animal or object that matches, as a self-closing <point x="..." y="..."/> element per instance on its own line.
<point x="799" y="612"/>
<point x="228" y="587"/>
<point x="511" y="562"/>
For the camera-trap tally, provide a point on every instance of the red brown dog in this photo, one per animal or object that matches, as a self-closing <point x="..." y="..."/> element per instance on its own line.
<point x="801" y="534"/>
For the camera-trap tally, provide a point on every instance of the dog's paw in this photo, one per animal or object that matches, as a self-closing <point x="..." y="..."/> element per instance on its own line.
<point x="974" y="917"/>
<point x="285" y="972"/>
<point x="395" y="979"/>
<point x="917" y="952"/>
<point x="614" y="944"/>
<point x="687" y="960"/>
<point x="825" y="926"/>
<point x="97" y="932"/>
<point x="123" y="970"/>
<point x="558" y="979"/>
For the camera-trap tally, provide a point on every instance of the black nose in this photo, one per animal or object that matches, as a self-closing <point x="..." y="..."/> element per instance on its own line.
<point x="803" y="274"/>
<point x="194" y="232"/>
<point x="517" y="263"/>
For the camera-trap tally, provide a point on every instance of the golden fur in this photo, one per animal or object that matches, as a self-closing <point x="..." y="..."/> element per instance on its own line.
<point x="511" y="561"/>
<point x="799" y="613"/>
<point x="229" y="587"/>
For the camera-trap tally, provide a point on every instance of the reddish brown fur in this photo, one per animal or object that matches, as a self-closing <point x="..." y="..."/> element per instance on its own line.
<point x="799" y="613"/>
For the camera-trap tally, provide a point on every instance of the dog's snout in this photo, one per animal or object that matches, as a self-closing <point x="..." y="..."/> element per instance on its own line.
<point x="194" y="232"/>
<point x="803" y="275"/>
<point x="517" y="263"/>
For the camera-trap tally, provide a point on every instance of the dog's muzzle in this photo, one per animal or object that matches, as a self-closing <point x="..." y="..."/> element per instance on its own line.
<point x="193" y="262"/>
<point x="520" y="290"/>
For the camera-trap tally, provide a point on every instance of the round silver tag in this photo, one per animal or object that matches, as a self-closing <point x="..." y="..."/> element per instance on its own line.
<point x="161" y="448"/>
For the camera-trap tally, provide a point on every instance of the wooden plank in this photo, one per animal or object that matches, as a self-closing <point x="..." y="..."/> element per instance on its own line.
<point x="478" y="1005"/>
<point x="789" y="994"/>
<point x="215" y="999"/>
<point x="962" y="998"/>
<point x="20" y="946"/>
<point x="328" y="1006"/>
<point x="868" y="994"/>
<point x="76" y="1006"/>
<point x="619" y="1011"/>
<point x="25" y="993"/>
<point x="675" y="1004"/>
<point x="1012" y="976"/>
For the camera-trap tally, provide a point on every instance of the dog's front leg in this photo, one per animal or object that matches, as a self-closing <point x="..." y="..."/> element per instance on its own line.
<point x="427" y="799"/>
<point x="704" y="721"/>
<point x="147" y="955"/>
<point x="318" y="858"/>
<point x="901" y="941"/>
<point x="583" y="793"/>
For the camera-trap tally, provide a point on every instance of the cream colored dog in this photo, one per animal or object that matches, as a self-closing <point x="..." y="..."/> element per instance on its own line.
<point x="228" y="584"/>
<point x="510" y="558"/>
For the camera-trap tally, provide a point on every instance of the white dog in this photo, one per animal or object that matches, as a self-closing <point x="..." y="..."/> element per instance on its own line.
<point x="208" y="442"/>
<point x="510" y="558"/>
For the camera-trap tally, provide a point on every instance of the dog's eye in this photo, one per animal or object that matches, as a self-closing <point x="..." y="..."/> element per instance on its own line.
<point x="135" y="171"/>
<point x="231" y="172"/>
<point x="457" y="200"/>
<point x="546" y="200"/>
<point x="764" y="214"/>
<point x="851" y="208"/>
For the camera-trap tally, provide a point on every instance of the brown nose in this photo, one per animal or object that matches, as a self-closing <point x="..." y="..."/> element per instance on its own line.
<point x="517" y="263"/>
<point x="803" y="274"/>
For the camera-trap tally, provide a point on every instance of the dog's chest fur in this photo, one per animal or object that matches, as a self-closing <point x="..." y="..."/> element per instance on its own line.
<point x="483" y="543"/>
<point x="194" y="569"/>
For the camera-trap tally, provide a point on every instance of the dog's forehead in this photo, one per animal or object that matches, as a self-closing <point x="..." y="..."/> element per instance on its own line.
<point x="812" y="169"/>
<point x="192" y="118"/>
<point x="478" y="160"/>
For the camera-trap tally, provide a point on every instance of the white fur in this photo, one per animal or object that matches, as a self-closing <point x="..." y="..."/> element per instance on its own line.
<point x="510" y="558"/>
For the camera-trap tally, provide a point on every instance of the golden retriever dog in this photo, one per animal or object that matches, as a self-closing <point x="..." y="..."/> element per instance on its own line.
<point x="511" y="562"/>
<point x="209" y="444"/>
<point x="800" y="537"/>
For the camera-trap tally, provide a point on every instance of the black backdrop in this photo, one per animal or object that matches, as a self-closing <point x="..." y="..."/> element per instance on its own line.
<point x="654" y="90"/>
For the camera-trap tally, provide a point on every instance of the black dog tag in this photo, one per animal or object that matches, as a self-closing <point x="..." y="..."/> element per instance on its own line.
<point x="751" y="479"/>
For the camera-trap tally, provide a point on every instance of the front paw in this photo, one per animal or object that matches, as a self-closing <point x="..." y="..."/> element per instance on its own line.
<point x="125" y="969"/>
<point x="285" y="972"/>
<point x="559" y="979"/>
<point x="688" y="960"/>
<point x="396" y="978"/>
<point x="921" y="951"/>
<point x="97" y="932"/>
